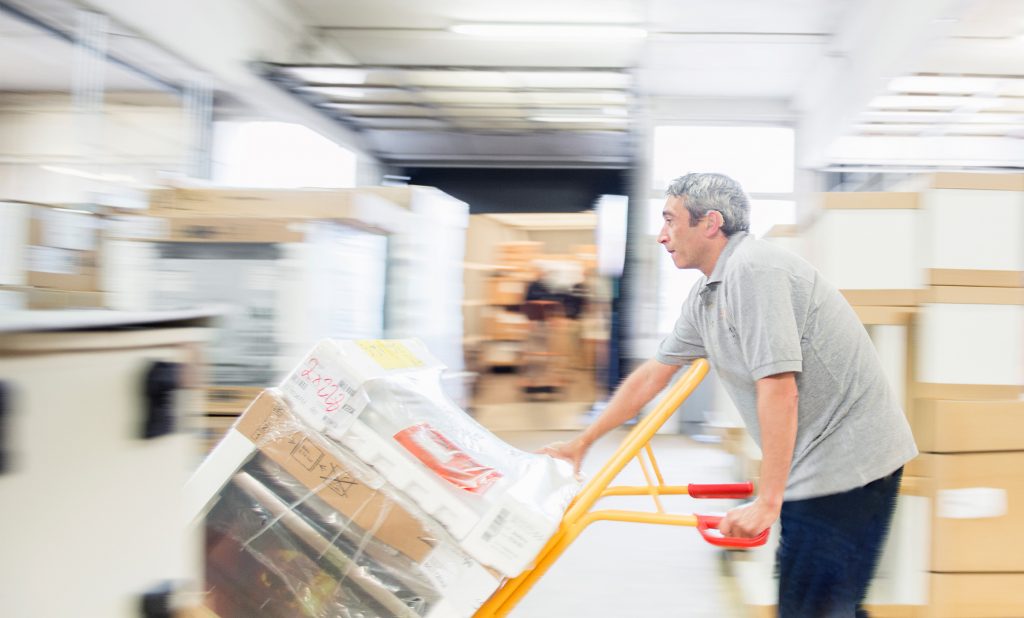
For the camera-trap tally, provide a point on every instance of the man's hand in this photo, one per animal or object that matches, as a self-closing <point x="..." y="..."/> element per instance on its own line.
<point x="748" y="520"/>
<point x="572" y="451"/>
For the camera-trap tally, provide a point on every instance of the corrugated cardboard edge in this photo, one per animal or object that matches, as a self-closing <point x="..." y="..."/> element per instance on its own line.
<point x="927" y="390"/>
<point x="221" y="399"/>
<point x="870" y="200"/>
<point x="976" y="278"/>
<point x="984" y="182"/>
<point x="881" y="298"/>
<point x="270" y="425"/>
<point x="899" y="316"/>
<point x="939" y="425"/>
<point x="959" y="295"/>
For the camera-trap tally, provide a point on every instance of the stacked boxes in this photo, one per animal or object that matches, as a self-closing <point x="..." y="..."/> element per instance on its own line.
<point x="381" y="400"/>
<point x="360" y="487"/>
<point x="968" y="414"/>
<point x="945" y="310"/>
<point x="49" y="257"/>
<point x="425" y="273"/>
<point x="283" y="268"/>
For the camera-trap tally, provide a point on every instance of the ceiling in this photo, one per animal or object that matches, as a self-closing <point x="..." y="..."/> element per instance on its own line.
<point x="865" y="82"/>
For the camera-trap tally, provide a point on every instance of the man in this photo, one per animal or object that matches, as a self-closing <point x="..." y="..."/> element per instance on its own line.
<point x="803" y="374"/>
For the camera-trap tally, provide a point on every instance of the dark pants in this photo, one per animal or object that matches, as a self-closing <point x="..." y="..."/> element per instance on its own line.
<point x="829" y="548"/>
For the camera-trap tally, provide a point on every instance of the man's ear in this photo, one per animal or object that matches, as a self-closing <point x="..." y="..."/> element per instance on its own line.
<point x="714" y="222"/>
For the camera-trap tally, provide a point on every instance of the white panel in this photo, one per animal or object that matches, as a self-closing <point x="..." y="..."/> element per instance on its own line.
<point x="87" y="488"/>
<point x="891" y="344"/>
<point x="971" y="344"/>
<point x="902" y="575"/>
<point x="13" y="240"/>
<point x="954" y="214"/>
<point x="868" y="249"/>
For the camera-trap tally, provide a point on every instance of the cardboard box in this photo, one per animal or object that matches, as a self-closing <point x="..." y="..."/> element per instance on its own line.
<point x="944" y="426"/>
<point x="351" y="206"/>
<point x="870" y="200"/>
<point x="507" y="326"/>
<point x="969" y="337"/>
<point x="205" y="229"/>
<point x="359" y="502"/>
<point x="946" y="210"/>
<point x="311" y="460"/>
<point x="977" y="511"/>
<point x="882" y="298"/>
<point x="976" y="278"/>
<point x="502" y="290"/>
<point x="23" y="297"/>
<point x="49" y="247"/>
<point x="976" y="595"/>
<point x="976" y="181"/>
<point x="223" y="399"/>
<point x="974" y="392"/>
<point x="281" y="284"/>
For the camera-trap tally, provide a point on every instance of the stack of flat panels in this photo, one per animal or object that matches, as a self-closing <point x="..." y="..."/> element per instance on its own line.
<point x="360" y="489"/>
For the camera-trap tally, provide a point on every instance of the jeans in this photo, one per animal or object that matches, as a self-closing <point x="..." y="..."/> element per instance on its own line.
<point x="829" y="547"/>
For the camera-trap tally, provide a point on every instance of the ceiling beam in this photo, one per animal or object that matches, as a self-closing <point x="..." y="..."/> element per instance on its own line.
<point x="231" y="36"/>
<point x="880" y="40"/>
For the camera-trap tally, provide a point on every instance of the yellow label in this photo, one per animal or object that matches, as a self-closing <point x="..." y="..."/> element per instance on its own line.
<point x="389" y="354"/>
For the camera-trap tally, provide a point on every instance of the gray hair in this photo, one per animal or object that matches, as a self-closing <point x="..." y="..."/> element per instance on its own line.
<point x="702" y="193"/>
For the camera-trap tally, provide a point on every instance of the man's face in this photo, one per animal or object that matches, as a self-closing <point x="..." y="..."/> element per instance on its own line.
<point x="684" y="243"/>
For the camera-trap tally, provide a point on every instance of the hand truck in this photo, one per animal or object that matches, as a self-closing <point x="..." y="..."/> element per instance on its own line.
<point x="579" y="514"/>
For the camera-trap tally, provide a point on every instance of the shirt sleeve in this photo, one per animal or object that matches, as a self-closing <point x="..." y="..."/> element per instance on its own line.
<point x="761" y="308"/>
<point x="684" y="343"/>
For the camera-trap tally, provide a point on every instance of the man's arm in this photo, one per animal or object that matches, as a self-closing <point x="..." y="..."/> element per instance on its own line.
<point x="777" y="405"/>
<point x="633" y="394"/>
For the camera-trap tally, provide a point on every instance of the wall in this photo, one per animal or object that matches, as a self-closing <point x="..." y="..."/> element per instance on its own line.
<point x="139" y="139"/>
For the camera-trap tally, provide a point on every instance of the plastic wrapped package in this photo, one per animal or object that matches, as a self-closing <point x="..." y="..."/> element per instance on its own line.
<point x="296" y="526"/>
<point x="383" y="401"/>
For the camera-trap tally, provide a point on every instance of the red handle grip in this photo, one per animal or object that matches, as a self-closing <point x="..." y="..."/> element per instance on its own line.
<point x="707" y="523"/>
<point x="721" y="490"/>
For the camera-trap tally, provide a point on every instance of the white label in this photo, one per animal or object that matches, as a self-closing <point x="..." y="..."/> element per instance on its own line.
<point x="971" y="503"/>
<point x="323" y="392"/>
<point x="459" y="578"/>
<point x="52" y="260"/>
<point x="509" y="537"/>
<point x="68" y="230"/>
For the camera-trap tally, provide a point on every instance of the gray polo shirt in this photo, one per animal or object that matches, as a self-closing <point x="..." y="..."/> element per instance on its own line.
<point x="765" y="311"/>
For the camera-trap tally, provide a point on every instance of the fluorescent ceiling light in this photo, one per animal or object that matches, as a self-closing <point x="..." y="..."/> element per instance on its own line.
<point x="949" y="84"/>
<point x="910" y="101"/>
<point x="335" y="91"/>
<point x="581" y="119"/>
<point x="554" y="31"/>
<point x="937" y="84"/>
<point x="950" y="129"/>
<point x="329" y="75"/>
<point x="930" y="117"/>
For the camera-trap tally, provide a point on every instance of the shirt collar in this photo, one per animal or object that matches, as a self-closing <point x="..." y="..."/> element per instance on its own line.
<point x="723" y="257"/>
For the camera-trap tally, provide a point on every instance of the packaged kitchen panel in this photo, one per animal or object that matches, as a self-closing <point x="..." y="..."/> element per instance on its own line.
<point x="296" y="526"/>
<point x="382" y="400"/>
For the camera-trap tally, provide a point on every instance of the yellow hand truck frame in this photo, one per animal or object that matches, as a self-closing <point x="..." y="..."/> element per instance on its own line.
<point x="579" y="514"/>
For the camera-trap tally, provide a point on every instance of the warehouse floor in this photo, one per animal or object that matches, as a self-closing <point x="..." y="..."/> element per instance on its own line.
<point x="623" y="569"/>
